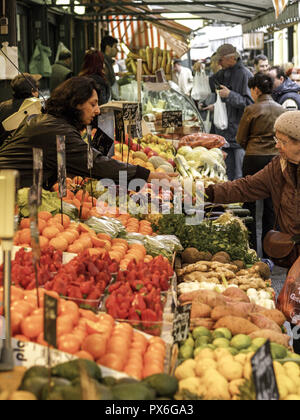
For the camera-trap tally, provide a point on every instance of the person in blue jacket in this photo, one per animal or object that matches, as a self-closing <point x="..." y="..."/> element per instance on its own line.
<point x="286" y="92"/>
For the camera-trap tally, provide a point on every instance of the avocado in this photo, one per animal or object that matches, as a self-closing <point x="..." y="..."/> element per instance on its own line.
<point x="34" y="385"/>
<point x="35" y="371"/>
<point x="138" y="392"/>
<point x="109" y="381"/>
<point x="164" y="385"/>
<point x="200" y="341"/>
<point x="200" y="332"/>
<point x="186" y="352"/>
<point x="55" y="385"/>
<point x="241" y="342"/>
<point x="127" y="381"/>
<point x="278" y="351"/>
<point x="71" y="370"/>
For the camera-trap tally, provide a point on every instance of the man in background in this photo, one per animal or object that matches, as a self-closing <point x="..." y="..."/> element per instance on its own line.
<point x="261" y="64"/>
<point x="23" y="86"/>
<point x="286" y="92"/>
<point x="232" y="83"/>
<point x="109" y="47"/>
<point x="183" y="77"/>
<point x="61" y="70"/>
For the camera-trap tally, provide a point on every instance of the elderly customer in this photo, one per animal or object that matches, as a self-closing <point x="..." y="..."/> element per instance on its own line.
<point x="232" y="83"/>
<point x="256" y="136"/>
<point x="278" y="180"/>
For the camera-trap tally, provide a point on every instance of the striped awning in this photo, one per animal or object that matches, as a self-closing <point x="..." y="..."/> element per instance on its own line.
<point x="138" y="34"/>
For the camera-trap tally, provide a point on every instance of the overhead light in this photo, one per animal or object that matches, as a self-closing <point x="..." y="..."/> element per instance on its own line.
<point x="79" y="10"/>
<point x="62" y="2"/>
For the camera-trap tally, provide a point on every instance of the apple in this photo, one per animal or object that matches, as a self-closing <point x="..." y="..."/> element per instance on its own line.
<point x="171" y="161"/>
<point x="134" y="147"/>
<point x="152" y="153"/>
<point x="147" y="150"/>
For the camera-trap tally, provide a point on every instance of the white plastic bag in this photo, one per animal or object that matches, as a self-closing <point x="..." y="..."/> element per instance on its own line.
<point x="201" y="88"/>
<point x="10" y="71"/>
<point x="207" y="123"/>
<point x="220" y="114"/>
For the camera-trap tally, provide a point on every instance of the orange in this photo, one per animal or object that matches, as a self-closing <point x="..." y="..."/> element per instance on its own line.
<point x="22" y="307"/>
<point x="133" y="371"/>
<point x="56" y="224"/>
<point x="104" y="236"/>
<point x="45" y="215"/>
<point x="103" y="328"/>
<point x="25" y="236"/>
<point x="80" y="333"/>
<point x="120" y="241"/>
<point x="76" y="248"/>
<point x="115" y="256"/>
<point x="102" y="316"/>
<point x="50" y="232"/>
<point x="59" y="243"/>
<point x="76" y="203"/>
<point x="150" y="370"/>
<point x="70" y="308"/>
<point x="64" y="325"/>
<point x="139" y="345"/>
<point x="16" y="293"/>
<point x="63" y="218"/>
<point x="97" y="242"/>
<point x="32" y="326"/>
<point x="69" y="343"/>
<point x="74" y="232"/>
<point x="95" y="344"/>
<point x="88" y="315"/>
<point x="111" y="361"/>
<point x="96" y="251"/>
<point x="16" y="319"/>
<point x="44" y="242"/>
<point x="84" y="355"/>
<point x="41" y="225"/>
<point x="153" y="340"/>
<point x="86" y="239"/>
<point x="157" y="347"/>
<point x="69" y="236"/>
<point x="25" y="223"/>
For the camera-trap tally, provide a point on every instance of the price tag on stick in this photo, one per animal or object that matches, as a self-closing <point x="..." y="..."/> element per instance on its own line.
<point x="120" y="129"/>
<point x="130" y="112"/>
<point x="264" y="375"/>
<point x="35" y="237"/>
<point x="50" y="317"/>
<point x="90" y="156"/>
<point x="181" y="325"/>
<point x="61" y="165"/>
<point x="38" y="172"/>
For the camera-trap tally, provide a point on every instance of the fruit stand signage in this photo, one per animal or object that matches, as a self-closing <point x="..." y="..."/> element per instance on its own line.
<point x="90" y="155"/>
<point x="130" y="112"/>
<point x="171" y="119"/>
<point x="38" y="172"/>
<point x="50" y="317"/>
<point x="61" y="165"/>
<point x="264" y="375"/>
<point x="181" y="323"/>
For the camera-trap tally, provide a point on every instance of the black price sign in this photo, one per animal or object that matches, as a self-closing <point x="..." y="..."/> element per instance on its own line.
<point x="161" y="76"/>
<point x="38" y="173"/>
<point x="171" y="119"/>
<point x="119" y="127"/>
<point x="130" y="112"/>
<point x="181" y="326"/>
<point x="264" y="375"/>
<point x="61" y="165"/>
<point x="50" y="317"/>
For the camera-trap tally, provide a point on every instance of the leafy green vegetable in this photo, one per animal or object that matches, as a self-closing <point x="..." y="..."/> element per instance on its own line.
<point x="50" y="202"/>
<point x="210" y="236"/>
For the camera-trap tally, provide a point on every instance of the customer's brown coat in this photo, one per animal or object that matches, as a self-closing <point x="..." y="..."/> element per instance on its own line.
<point x="279" y="180"/>
<point x="256" y="130"/>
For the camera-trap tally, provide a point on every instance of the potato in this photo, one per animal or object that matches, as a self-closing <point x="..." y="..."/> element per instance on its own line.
<point x="221" y="311"/>
<point x="203" y="365"/>
<point x="264" y="323"/>
<point x="200" y="310"/>
<point x="236" y="325"/>
<point x="236" y="294"/>
<point x="275" y="315"/>
<point x="274" y="337"/>
<point x="209" y="297"/>
<point x="202" y="322"/>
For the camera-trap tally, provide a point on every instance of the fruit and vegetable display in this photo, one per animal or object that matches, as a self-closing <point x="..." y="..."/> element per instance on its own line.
<point x="209" y="141"/>
<point x="153" y="59"/>
<point x="85" y="380"/>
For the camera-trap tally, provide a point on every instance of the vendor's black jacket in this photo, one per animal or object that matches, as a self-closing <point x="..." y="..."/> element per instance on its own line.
<point x="7" y="109"/>
<point x="40" y="131"/>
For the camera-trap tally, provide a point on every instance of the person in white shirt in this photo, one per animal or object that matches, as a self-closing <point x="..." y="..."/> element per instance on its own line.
<point x="183" y="77"/>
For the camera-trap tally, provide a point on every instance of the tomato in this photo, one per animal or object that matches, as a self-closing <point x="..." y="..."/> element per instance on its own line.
<point x="23" y="307"/>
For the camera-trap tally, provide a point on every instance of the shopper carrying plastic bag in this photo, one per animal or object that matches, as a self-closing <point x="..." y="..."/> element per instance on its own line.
<point x="201" y="88"/>
<point x="220" y="114"/>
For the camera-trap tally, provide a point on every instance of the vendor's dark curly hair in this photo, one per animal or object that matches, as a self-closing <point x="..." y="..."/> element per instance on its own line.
<point x="66" y="97"/>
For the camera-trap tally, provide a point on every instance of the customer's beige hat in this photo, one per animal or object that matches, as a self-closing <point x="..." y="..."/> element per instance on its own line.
<point x="289" y="124"/>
